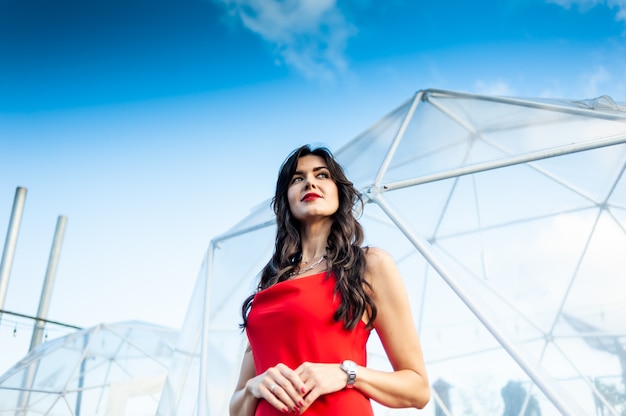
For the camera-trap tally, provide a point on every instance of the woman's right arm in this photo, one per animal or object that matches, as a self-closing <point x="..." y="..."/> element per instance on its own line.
<point x="243" y="402"/>
<point x="287" y="387"/>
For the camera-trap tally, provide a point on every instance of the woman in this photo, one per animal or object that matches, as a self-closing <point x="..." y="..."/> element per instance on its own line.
<point x="319" y="297"/>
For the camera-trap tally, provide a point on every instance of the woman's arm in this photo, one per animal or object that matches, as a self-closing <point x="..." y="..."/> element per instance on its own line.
<point x="279" y="385"/>
<point x="407" y="385"/>
<point x="243" y="402"/>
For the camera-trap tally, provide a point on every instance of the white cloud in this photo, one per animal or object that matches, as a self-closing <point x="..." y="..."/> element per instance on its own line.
<point x="597" y="82"/>
<point x="496" y="87"/>
<point x="584" y="5"/>
<point x="621" y="8"/>
<point x="581" y="4"/>
<point x="308" y="35"/>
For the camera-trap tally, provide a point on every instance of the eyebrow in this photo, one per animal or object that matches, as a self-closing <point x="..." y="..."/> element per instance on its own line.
<point x="299" y="172"/>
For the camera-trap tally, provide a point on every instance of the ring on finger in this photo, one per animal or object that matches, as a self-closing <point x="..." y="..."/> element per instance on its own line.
<point x="273" y="387"/>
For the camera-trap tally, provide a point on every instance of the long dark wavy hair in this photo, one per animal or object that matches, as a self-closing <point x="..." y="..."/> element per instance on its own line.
<point x="345" y="256"/>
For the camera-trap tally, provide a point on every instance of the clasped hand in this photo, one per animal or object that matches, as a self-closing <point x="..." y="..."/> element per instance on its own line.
<point x="294" y="390"/>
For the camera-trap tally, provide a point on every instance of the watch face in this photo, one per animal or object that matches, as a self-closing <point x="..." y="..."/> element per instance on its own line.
<point x="349" y="365"/>
<point x="350" y="368"/>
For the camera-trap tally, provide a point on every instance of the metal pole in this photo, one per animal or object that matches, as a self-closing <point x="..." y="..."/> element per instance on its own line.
<point x="396" y="141"/>
<point x="510" y="161"/>
<point x="46" y="292"/>
<point x="569" y="107"/>
<point x="11" y="242"/>
<point x="543" y="382"/>
<point x="202" y="406"/>
<point x="44" y="303"/>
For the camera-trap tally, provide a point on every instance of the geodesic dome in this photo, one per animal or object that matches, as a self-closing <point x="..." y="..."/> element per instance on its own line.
<point x="110" y="369"/>
<point x="507" y="218"/>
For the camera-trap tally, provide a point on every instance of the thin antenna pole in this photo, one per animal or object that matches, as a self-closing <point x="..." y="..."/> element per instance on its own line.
<point x="11" y="243"/>
<point x="28" y="378"/>
<point x="46" y="292"/>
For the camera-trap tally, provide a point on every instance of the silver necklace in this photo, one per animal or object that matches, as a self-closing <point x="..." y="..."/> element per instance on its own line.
<point x="306" y="269"/>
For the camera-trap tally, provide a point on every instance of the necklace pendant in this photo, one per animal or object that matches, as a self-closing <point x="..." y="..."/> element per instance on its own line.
<point x="306" y="269"/>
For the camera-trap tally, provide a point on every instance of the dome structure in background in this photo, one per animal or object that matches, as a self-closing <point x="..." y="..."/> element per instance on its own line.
<point x="507" y="219"/>
<point x="112" y="370"/>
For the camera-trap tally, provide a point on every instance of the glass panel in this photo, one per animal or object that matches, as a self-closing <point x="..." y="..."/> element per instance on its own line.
<point x="528" y="314"/>
<point x="105" y="369"/>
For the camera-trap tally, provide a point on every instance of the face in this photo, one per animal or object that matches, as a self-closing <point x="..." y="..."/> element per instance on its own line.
<point x="312" y="193"/>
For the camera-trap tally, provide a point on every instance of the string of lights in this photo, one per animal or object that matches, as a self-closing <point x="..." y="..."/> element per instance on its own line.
<point x="34" y="318"/>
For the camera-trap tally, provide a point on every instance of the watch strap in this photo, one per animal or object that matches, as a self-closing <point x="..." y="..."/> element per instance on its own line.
<point x="349" y="367"/>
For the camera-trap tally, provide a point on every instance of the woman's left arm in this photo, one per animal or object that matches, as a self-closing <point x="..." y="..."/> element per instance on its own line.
<point x="407" y="385"/>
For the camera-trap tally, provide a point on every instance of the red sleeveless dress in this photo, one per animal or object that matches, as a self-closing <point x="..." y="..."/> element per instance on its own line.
<point x="292" y="322"/>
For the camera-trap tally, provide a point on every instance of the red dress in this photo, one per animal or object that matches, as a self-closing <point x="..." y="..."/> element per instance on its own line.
<point x="292" y="322"/>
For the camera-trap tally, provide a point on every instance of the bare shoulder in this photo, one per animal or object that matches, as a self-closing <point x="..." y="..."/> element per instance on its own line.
<point x="380" y="265"/>
<point x="387" y="290"/>
<point x="377" y="257"/>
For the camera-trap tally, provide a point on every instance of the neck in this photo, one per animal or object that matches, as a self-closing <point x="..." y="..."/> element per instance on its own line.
<point x="314" y="240"/>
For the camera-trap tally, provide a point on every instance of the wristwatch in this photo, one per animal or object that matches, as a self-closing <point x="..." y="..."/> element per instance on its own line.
<point x="350" y="368"/>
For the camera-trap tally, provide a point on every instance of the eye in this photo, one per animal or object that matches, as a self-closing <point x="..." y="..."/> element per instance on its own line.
<point x="296" y="179"/>
<point x="323" y="175"/>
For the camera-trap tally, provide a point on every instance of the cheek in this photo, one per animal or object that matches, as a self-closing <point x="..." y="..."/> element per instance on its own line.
<point x="291" y="195"/>
<point x="336" y="198"/>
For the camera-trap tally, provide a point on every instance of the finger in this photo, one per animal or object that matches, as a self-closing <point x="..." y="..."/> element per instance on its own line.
<point x="269" y="392"/>
<point x="291" y="383"/>
<point x="308" y="400"/>
<point x="285" y="401"/>
<point x="305" y="383"/>
<point x="280" y="383"/>
<point x="296" y="387"/>
<point x="273" y="399"/>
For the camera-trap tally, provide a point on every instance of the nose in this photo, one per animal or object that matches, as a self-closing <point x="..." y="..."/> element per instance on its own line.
<point x="310" y="183"/>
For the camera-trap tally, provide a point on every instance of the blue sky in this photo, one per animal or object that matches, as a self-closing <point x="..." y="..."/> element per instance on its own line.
<point x="155" y="125"/>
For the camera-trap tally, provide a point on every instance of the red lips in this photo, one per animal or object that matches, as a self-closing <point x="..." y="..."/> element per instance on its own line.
<point x="310" y="196"/>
